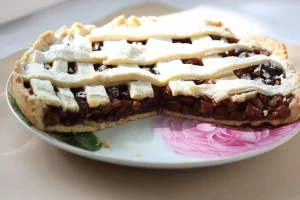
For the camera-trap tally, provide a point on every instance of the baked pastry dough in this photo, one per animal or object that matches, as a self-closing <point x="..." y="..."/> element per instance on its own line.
<point x="87" y="78"/>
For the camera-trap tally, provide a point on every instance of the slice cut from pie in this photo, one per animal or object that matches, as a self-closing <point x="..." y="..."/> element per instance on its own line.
<point x="87" y="78"/>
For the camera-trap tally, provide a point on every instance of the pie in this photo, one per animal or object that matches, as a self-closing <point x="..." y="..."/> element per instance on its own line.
<point x="86" y="78"/>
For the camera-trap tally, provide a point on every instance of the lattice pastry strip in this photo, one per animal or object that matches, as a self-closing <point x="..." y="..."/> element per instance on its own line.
<point x="116" y="52"/>
<point x="84" y="68"/>
<point x="44" y="91"/>
<point x="157" y="43"/>
<point x="238" y="90"/>
<point x="181" y="87"/>
<point x="139" y="90"/>
<point x="201" y="40"/>
<point x="158" y="50"/>
<point x="128" y="65"/>
<point x="213" y="67"/>
<point x="67" y="99"/>
<point x="224" y="88"/>
<point x="153" y="30"/>
<point x="96" y="96"/>
<point x="248" y="90"/>
<point x="69" y="55"/>
<point x="82" y="43"/>
<point x="34" y="67"/>
<point x="114" y="44"/>
<point x="59" y="66"/>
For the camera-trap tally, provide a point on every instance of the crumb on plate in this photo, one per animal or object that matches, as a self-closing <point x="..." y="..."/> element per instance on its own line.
<point x="103" y="143"/>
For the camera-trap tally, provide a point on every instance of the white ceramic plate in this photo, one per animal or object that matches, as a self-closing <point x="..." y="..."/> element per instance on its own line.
<point x="164" y="142"/>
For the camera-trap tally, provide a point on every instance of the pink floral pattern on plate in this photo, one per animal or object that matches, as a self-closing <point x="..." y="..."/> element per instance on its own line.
<point x="198" y="139"/>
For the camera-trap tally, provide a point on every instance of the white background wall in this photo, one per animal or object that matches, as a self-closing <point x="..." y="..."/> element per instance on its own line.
<point x="276" y="18"/>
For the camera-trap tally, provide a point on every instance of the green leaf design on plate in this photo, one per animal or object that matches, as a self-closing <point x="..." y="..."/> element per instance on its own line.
<point x="17" y="109"/>
<point x="87" y="141"/>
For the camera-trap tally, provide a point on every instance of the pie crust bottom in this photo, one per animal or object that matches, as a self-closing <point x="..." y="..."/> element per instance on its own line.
<point x="295" y="114"/>
<point x="91" y="126"/>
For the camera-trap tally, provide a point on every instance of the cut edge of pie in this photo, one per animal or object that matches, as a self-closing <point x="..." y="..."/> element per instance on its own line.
<point x="37" y="100"/>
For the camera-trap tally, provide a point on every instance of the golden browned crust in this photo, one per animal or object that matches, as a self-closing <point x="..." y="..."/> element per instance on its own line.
<point x="42" y="43"/>
<point x="273" y="46"/>
<point x="91" y="126"/>
<point x="132" y="22"/>
<point x="31" y="107"/>
<point x="219" y="24"/>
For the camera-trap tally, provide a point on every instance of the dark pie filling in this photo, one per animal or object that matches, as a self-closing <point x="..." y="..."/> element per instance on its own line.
<point x="227" y="40"/>
<point x="120" y="106"/>
<point x="97" y="47"/>
<point x="185" y="40"/>
<point x="29" y="88"/>
<point x="72" y="68"/>
<point x="244" y="53"/>
<point x="100" y="67"/>
<point x="260" y="107"/>
<point x="193" y="61"/>
<point x="268" y="73"/>
<point x="142" y="41"/>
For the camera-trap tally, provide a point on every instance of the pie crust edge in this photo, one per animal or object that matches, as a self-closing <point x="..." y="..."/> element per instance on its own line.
<point x="276" y="47"/>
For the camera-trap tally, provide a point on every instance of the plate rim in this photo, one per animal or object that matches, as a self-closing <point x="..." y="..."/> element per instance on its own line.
<point x="146" y="164"/>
